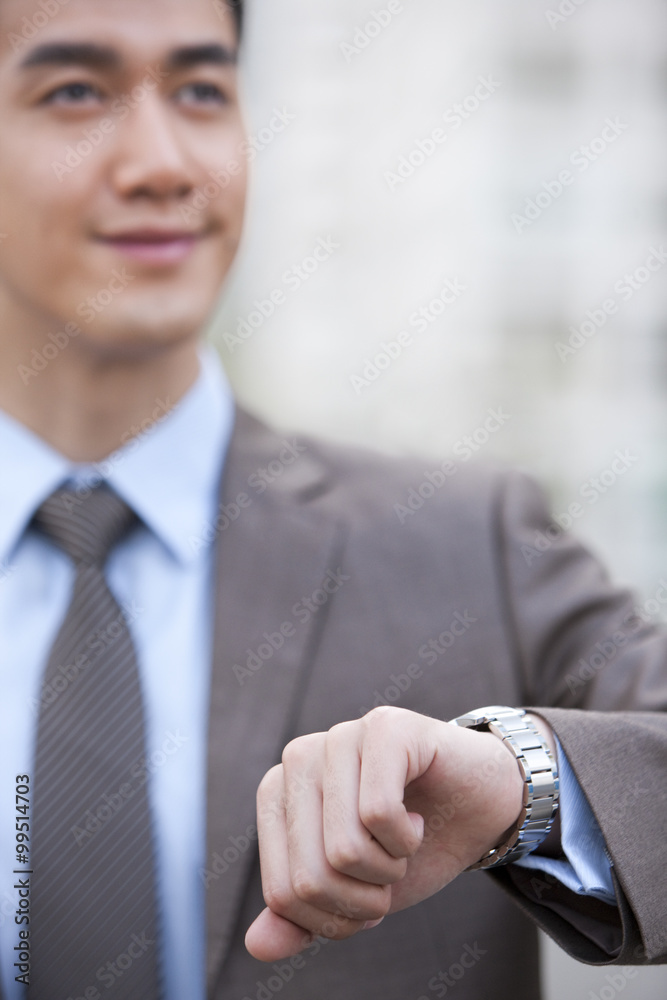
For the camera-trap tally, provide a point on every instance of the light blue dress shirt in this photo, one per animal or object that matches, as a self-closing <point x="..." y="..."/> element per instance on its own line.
<point x="169" y="474"/>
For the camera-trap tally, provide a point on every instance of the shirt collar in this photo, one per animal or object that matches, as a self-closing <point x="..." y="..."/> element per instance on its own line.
<point x="31" y="471"/>
<point x="168" y="473"/>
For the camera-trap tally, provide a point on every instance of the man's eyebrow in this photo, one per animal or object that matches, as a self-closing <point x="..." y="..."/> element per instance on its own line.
<point x="194" y="55"/>
<point x="102" y="57"/>
<point x="72" y="53"/>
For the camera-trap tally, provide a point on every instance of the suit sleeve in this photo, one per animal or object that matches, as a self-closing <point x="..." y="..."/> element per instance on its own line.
<point x="597" y="672"/>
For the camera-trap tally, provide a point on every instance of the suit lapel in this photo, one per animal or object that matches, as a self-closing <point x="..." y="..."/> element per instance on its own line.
<point x="276" y="551"/>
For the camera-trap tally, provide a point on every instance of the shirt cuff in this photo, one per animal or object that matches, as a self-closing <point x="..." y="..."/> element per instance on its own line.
<point x="586" y="868"/>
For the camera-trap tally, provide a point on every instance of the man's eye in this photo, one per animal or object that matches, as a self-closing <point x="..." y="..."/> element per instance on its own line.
<point x="72" y="93"/>
<point x="202" y="93"/>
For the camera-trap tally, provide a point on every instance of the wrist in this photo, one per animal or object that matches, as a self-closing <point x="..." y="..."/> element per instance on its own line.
<point x="538" y="771"/>
<point x="505" y="791"/>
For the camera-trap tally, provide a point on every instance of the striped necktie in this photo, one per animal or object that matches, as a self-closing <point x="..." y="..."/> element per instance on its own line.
<point x="93" y="913"/>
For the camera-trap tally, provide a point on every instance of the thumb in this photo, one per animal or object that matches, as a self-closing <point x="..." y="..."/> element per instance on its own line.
<point x="271" y="937"/>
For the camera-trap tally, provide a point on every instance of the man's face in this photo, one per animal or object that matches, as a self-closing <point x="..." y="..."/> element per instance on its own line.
<point x="122" y="181"/>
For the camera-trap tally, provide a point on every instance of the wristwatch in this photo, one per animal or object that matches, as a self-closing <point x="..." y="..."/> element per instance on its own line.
<point x="540" y="775"/>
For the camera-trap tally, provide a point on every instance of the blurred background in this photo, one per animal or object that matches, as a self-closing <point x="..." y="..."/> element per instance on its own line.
<point x="457" y="243"/>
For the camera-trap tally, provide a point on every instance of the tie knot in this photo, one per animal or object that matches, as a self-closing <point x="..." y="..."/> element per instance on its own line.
<point x="85" y="527"/>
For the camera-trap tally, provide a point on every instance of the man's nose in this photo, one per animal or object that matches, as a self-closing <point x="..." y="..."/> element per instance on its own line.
<point x="150" y="157"/>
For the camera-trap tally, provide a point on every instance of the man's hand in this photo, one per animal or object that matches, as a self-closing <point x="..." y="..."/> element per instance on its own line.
<point x="372" y="817"/>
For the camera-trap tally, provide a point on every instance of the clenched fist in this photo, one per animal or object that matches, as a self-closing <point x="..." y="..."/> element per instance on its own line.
<point x="372" y="817"/>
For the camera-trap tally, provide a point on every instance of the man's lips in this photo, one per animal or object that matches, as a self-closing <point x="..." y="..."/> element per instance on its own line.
<point x="153" y="246"/>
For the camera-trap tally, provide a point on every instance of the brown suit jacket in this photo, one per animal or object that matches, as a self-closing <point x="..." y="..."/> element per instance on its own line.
<point x="327" y="599"/>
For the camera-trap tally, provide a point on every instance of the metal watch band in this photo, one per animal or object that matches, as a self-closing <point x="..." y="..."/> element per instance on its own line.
<point x="540" y="775"/>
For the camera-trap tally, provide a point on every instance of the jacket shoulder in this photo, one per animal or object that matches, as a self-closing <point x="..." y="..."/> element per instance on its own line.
<point x="359" y="483"/>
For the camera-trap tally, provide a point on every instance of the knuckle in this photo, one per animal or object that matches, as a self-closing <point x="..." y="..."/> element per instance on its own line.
<point x="344" y="855"/>
<point x="334" y="932"/>
<point x="376" y="811"/>
<point x="269" y="782"/>
<point x="341" y="730"/>
<point x="380" y="716"/>
<point x="270" y="796"/>
<point x="306" y="888"/>
<point x="278" y="897"/>
<point x="293" y="753"/>
<point x="375" y="906"/>
<point x="380" y="903"/>
<point x="304" y="749"/>
<point x="338" y="927"/>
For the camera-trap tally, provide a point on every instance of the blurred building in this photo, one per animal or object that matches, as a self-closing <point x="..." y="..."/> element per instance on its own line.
<point x="561" y="323"/>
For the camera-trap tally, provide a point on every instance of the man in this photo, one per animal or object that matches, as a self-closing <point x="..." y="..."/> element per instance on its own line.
<point x="278" y="609"/>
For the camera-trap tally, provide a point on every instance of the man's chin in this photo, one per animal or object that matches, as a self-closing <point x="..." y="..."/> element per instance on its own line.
<point x="139" y="334"/>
